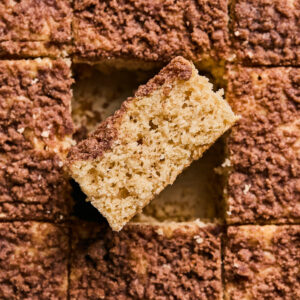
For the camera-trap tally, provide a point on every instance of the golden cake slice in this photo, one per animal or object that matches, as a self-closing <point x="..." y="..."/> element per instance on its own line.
<point x="136" y="153"/>
<point x="196" y="192"/>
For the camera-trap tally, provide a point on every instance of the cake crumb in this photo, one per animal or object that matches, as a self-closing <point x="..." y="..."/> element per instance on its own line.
<point x="45" y="133"/>
<point x="246" y="188"/>
<point x="198" y="239"/>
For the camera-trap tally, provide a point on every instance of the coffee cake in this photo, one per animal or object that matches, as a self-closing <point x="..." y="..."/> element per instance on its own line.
<point x="262" y="262"/>
<point x="133" y="156"/>
<point x="31" y="28"/>
<point x="34" y="259"/>
<point x="146" y="261"/>
<point x="35" y="134"/>
<point x="163" y="253"/>
<point x="150" y="32"/>
<point x="266" y="32"/>
<point x="263" y="162"/>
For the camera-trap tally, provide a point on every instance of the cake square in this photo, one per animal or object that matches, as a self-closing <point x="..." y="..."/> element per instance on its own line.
<point x="152" y="32"/>
<point x="262" y="262"/>
<point x="30" y="28"/>
<point x="35" y="135"/>
<point x="34" y="261"/>
<point x="266" y="32"/>
<point x="146" y="261"/>
<point x="263" y="148"/>
<point x="134" y="154"/>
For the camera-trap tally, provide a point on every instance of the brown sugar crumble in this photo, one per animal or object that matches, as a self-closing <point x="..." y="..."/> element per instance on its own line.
<point x="263" y="183"/>
<point x="34" y="258"/>
<point x="50" y="249"/>
<point x="266" y="32"/>
<point x="35" y="134"/>
<point x="181" y="261"/>
<point x="150" y="31"/>
<point x="31" y="28"/>
<point x="262" y="262"/>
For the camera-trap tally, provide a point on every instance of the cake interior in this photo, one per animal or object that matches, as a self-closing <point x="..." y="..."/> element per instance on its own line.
<point x="195" y="194"/>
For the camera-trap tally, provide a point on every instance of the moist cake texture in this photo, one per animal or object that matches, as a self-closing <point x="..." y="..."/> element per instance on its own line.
<point x="35" y="135"/>
<point x="146" y="261"/>
<point x="123" y="32"/>
<point x="34" y="259"/>
<point x="35" y="28"/>
<point x="263" y="183"/>
<point x="266" y="32"/>
<point x="136" y="153"/>
<point x="196" y="192"/>
<point x="262" y="262"/>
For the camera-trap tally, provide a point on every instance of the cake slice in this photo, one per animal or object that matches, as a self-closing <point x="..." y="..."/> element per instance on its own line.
<point x="137" y="152"/>
<point x="146" y="261"/>
<point x="196" y="192"/>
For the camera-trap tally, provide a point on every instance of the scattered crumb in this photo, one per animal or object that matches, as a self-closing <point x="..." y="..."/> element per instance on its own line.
<point x="34" y="81"/>
<point x="198" y="239"/>
<point x="246" y="188"/>
<point x="226" y="163"/>
<point x="45" y="133"/>
<point x="160" y="231"/>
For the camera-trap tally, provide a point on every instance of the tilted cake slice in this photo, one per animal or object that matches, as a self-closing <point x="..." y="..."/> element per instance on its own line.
<point x="196" y="192"/>
<point x="137" y="152"/>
